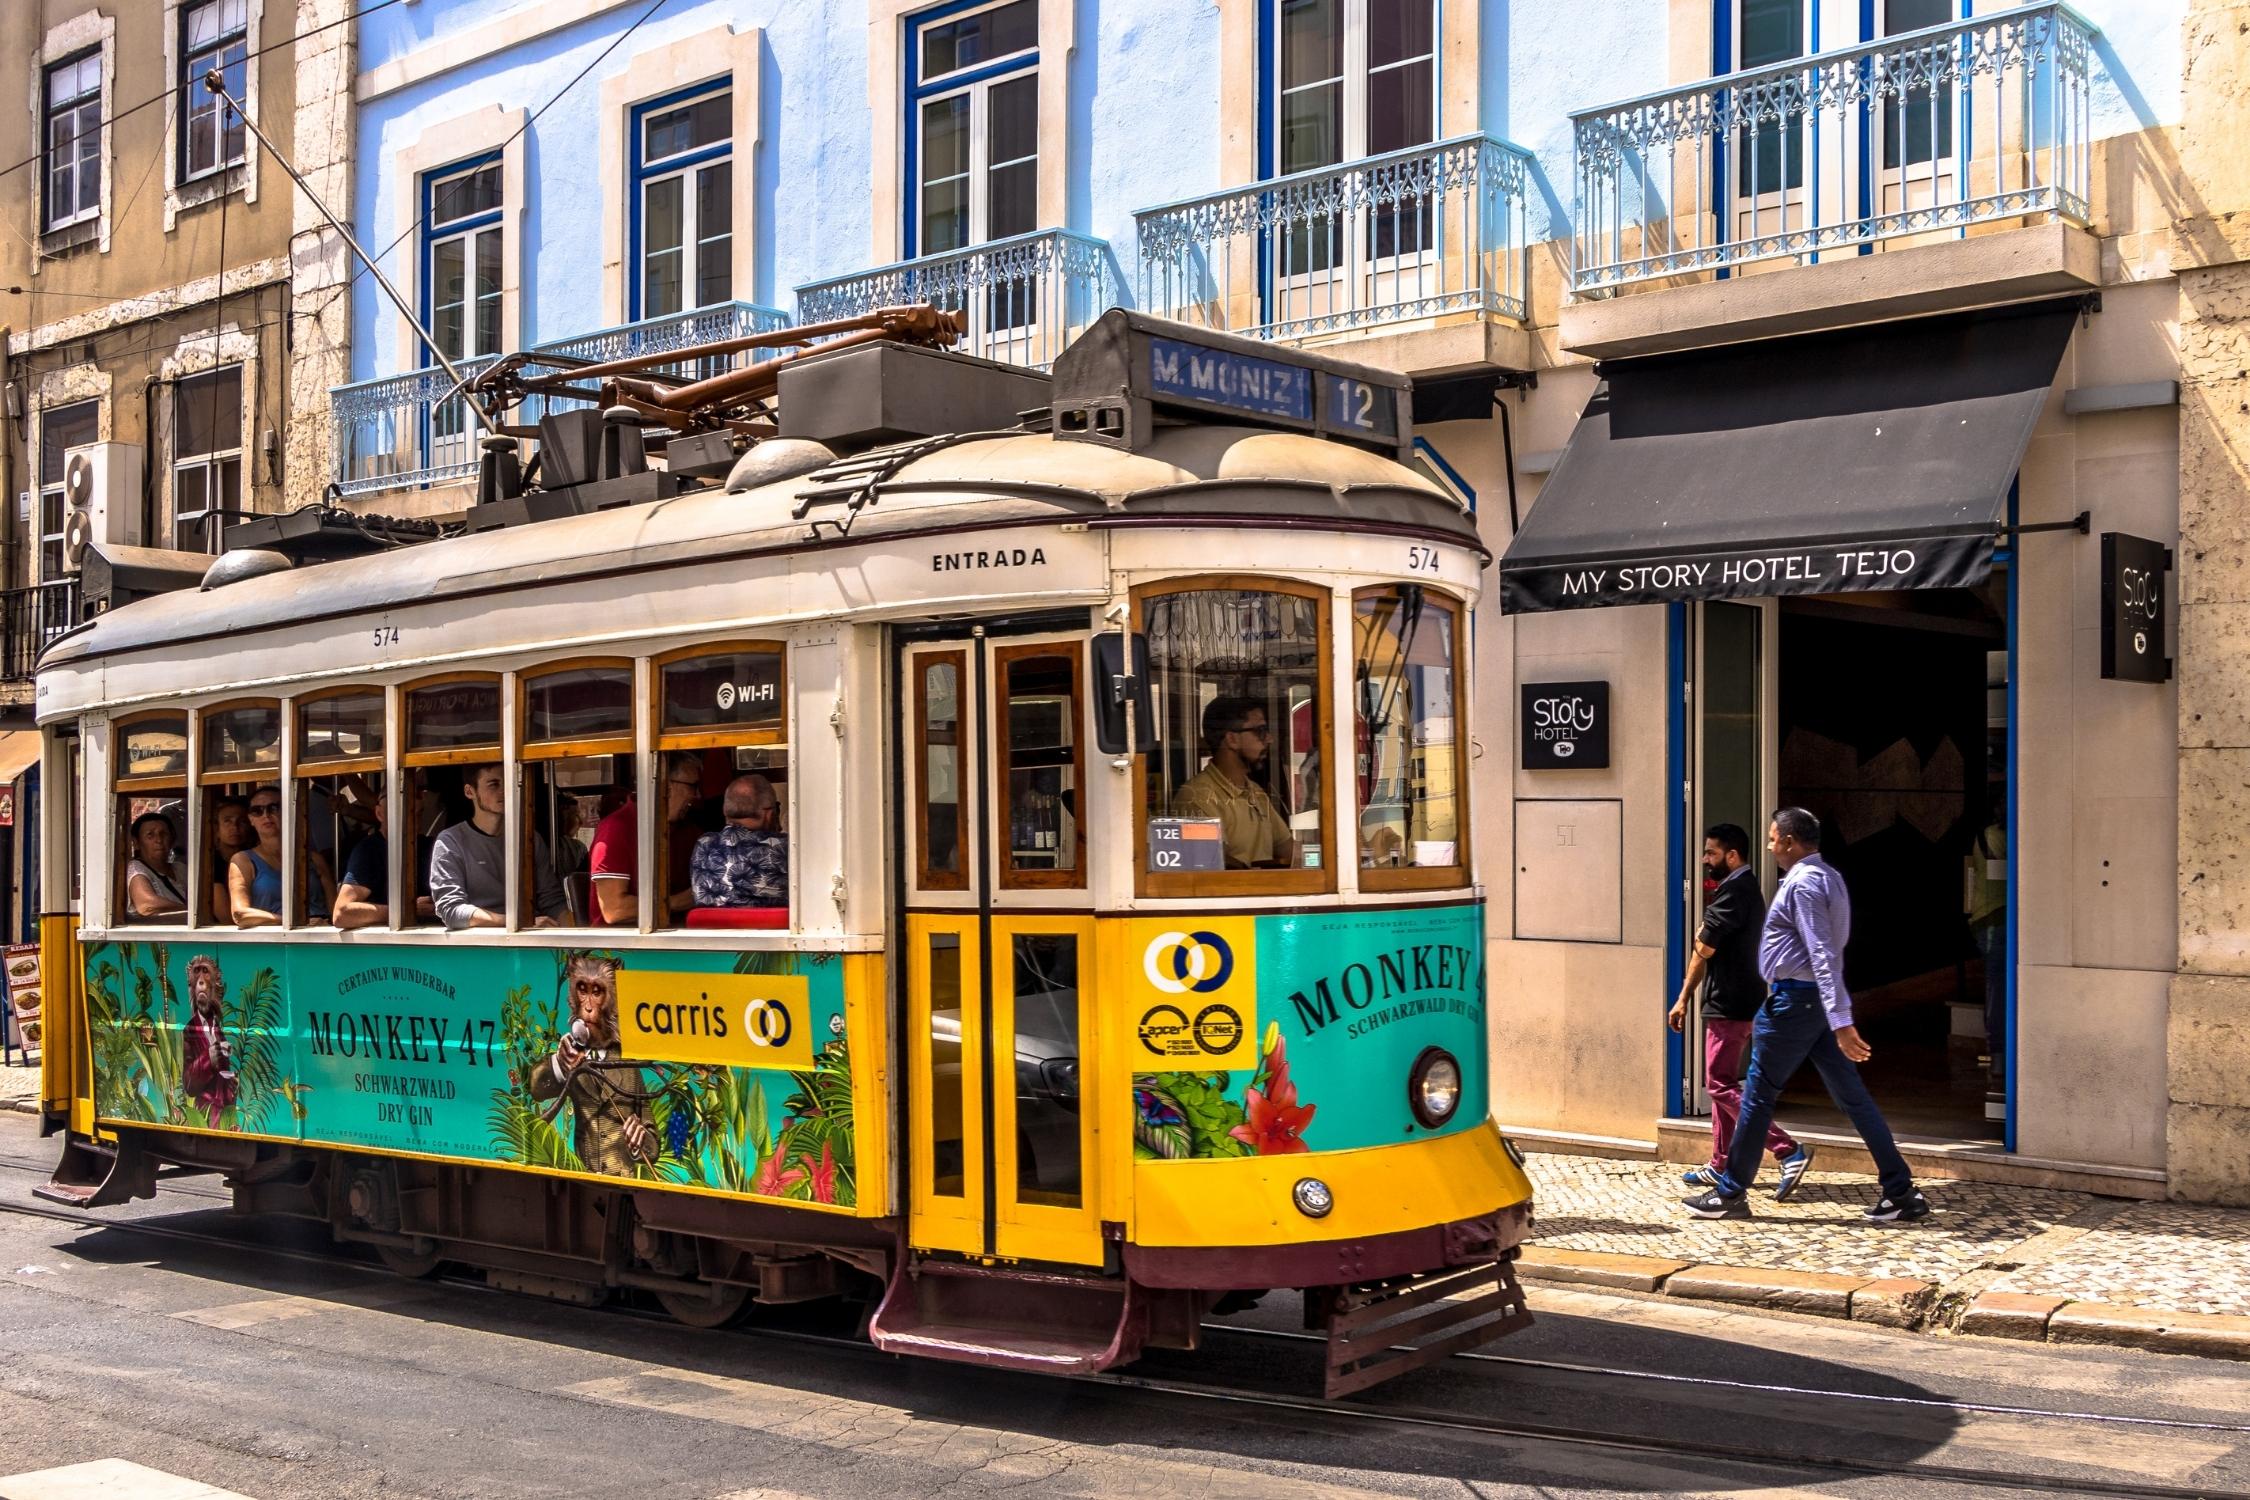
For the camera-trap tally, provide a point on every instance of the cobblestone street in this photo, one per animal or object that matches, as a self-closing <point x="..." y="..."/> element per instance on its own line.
<point x="2027" y="1251"/>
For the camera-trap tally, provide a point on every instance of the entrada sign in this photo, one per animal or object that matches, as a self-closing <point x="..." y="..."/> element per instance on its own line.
<point x="1565" y="726"/>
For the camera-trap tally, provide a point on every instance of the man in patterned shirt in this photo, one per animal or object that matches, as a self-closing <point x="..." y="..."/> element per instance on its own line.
<point x="745" y="863"/>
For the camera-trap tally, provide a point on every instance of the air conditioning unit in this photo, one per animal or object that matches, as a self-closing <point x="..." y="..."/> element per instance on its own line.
<point x="101" y="499"/>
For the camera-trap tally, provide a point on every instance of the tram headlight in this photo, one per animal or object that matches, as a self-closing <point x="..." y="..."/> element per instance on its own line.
<point x="1312" y="1197"/>
<point x="1433" y="1087"/>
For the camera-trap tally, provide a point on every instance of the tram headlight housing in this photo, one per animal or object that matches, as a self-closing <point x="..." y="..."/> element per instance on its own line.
<point x="1312" y="1197"/>
<point x="1433" y="1087"/>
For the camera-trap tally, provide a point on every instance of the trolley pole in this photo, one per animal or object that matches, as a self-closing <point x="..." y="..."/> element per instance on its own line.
<point x="216" y="83"/>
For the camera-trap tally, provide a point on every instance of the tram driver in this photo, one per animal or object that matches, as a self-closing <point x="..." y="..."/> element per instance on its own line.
<point x="1238" y="738"/>
<point x="468" y="864"/>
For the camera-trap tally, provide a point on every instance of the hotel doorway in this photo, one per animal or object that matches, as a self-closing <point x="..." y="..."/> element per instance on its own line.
<point x="1886" y="715"/>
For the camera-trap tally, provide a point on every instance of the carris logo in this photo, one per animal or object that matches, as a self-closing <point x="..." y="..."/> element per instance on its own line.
<point x="1177" y="962"/>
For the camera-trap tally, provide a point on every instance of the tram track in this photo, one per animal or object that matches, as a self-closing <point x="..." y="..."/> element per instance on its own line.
<point x="1420" y="1418"/>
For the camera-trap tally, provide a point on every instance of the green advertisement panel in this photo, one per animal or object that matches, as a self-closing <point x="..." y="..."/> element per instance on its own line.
<point x="718" y="1070"/>
<point x="1299" y="1033"/>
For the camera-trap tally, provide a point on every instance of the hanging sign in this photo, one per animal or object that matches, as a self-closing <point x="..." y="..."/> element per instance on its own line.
<point x="2134" y="648"/>
<point x="1565" y="726"/>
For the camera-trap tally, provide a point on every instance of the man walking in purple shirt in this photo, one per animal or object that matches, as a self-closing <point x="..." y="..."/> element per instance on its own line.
<point x="1807" y="1017"/>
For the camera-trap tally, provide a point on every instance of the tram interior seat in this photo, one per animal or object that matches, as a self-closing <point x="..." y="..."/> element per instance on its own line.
<point x="714" y="917"/>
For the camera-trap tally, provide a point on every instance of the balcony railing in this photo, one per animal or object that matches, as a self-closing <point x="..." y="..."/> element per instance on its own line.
<point x="1024" y="298"/>
<point x="409" y="431"/>
<point x="1918" y="135"/>
<point x="1413" y="234"/>
<point x="29" y="619"/>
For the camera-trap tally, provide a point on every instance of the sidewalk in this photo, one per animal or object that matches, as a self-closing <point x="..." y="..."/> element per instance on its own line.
<point x="19" y="1085"/>
<point x="2007" y="1262"/>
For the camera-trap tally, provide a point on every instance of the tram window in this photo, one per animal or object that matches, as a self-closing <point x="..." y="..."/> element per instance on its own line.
<point x="937" y="692"/>
<point x="452" y="725"/>
<point x="1040" y="766"/>
<point x="1240" y="690"/>
<point x="151" y="883"/>
<point x="342" y="726"/>
<point x="1049" y="1169"/>
<point x="722" y="734"/>
<point x="1405" y="646"/>
<point x="343" y="853"/>
<point x="578" y="780"/>
<point x="946" y="1081"/>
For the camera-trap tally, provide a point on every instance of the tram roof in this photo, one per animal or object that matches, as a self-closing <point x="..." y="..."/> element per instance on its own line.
<point x="1188" y="475"/>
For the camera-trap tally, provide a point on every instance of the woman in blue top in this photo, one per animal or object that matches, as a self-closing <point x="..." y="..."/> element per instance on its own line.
<point x="254" y="875"/>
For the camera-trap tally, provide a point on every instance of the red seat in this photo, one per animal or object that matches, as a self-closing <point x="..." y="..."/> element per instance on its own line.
<point x="738" y="916"/>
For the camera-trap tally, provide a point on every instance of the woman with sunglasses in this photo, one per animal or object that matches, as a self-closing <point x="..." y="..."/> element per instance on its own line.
<point x="254" y="876"/>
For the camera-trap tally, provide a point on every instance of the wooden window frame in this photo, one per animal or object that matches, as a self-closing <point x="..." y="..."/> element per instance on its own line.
<point x="664" y="743"/>
<point x="1216" y="884"/>
<point x="1009" y="877"/>
<point x="339" y="765"/>
<point x="529" y="749"/>
<point x="927" y="878"/>
<point x="183" y="784"/>
<point x="410" y="758"/>
<point x="209" y="775"/>
<point x="1424" y="877"/>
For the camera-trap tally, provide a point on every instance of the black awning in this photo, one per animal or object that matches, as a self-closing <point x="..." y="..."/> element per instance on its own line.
<point x="1871" y="458"/>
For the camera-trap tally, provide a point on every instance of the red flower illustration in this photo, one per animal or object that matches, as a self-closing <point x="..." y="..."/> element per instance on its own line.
<point x="824" y="1176"/>
<point x="774" y="1180"/>
<point x="1277" y="1122"/>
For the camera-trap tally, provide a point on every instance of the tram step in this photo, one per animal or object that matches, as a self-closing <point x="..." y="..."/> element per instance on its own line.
<point x="99" y="1174"/>
<point x="1385" y="1331"/>
<point x="1011" y="1320"/>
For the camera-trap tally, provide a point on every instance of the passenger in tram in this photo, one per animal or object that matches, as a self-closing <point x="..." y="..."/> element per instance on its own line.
<point x="614" y="862"/>
<point x="155" y="880"/>
<point x="746" y="863"/>
<point x="468" y="865"/>
<point x="1237" y="737"/>
<point x="230" y="835"/>
<point x="254" y="875"/>
<point x="364" y="898"/>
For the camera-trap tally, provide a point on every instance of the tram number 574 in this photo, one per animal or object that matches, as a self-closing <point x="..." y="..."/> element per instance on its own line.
<point x="1421" y="559"/>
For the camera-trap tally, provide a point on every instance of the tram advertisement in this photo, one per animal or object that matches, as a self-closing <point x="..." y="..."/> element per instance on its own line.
<point x="1262" y="1036"/>
<point x="716" y="1070"/>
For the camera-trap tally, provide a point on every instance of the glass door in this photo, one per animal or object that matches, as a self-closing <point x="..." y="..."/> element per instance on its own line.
<point x="1735" y="765"/>
<point x="999" y="1132"/>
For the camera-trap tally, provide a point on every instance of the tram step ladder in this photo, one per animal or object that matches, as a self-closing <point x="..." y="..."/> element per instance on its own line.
<point x="1010" y="1319"/>
<point x="1377" y="1332"/>
<point x="100" y="1174"/>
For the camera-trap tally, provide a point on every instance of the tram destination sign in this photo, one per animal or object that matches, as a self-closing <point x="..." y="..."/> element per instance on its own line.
<point x="1565" y="726"/>
<point x="1108" y="382"/>
<point x="2134" y="645"/>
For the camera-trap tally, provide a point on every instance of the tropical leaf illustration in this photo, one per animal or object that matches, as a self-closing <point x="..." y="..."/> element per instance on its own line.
<point x="255" y="1022"/>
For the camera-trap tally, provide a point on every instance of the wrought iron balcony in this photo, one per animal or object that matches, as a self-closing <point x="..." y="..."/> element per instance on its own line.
<point x="1421" y="233"/>
<point x="29" y="619"/>
<point x="1024" y="298"/>
<point x="410" y="431"/>
<point x="1916" y="136"/>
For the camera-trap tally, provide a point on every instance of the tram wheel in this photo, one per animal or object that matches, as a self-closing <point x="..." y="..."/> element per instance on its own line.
<point x="715" y="1308"/>
<point x="410" y="1263"/>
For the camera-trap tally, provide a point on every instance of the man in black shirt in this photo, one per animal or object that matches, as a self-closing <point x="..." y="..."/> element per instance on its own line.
<point x="1725" y="962"/>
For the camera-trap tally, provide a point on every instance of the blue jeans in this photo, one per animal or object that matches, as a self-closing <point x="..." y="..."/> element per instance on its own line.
<point x="1792" y="1027"/>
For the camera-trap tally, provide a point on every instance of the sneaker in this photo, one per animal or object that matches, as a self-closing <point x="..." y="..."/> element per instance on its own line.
<point x="1793" y="1169"/>
<point x="1899" y="1210"/>
<point x="1700" y="1177"/>
<point x="1717" y="1205"/>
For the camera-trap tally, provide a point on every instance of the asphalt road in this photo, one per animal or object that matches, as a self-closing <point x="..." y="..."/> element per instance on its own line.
<point x="277" y="1375"/>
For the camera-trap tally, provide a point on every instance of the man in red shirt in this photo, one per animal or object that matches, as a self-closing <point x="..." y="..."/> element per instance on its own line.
<point x="614" y="863"/>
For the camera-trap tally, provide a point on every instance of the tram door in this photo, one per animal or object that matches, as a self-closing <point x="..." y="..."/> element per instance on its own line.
<point x="999" y="962"/>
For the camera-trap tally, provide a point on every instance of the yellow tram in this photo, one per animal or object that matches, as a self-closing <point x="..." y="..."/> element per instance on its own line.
<point x="904" y="827"/>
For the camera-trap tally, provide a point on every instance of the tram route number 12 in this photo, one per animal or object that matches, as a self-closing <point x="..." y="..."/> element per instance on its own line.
<point x="1182" y="844"/>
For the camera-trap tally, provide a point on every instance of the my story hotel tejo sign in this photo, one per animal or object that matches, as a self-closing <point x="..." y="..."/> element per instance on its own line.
<point x="1920" y="563"/>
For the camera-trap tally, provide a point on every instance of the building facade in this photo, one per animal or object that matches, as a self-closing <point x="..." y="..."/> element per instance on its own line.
<point x="155" y="332"/>
<point x="1685" y="254"/>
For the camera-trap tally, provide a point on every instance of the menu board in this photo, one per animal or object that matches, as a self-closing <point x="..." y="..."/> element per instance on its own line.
<point x="23" y="992"/>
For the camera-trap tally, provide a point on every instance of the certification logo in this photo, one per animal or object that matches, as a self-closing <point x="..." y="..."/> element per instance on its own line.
<point x="1198" y="994"/>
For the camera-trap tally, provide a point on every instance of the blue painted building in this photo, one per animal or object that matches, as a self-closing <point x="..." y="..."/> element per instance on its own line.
<point x="1491" y="195"/>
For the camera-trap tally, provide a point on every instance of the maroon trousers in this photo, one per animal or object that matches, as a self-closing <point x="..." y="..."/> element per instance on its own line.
<point x="1726" y="1057"/>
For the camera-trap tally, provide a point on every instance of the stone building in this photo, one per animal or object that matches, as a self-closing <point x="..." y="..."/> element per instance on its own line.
<point x="173" y="312"/>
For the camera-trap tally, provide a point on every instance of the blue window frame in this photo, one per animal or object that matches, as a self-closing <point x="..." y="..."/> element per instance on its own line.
<point x="461" y="257"/>
<point x="972" y="124"/>
<point x="680" y="250"/>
